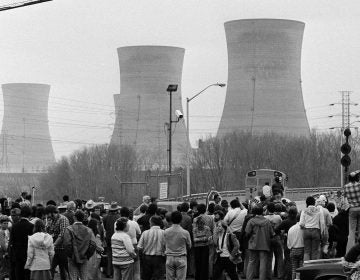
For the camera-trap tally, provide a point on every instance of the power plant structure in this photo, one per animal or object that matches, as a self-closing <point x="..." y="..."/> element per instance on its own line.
<point x="142" y="107"/>
<point x="264" y="92"/>
<point x="25" y="138"/>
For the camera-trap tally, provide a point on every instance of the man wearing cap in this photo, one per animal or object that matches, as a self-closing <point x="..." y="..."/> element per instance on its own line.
<point x="56" y="226"/>
<point x="109" y="221"/>
<point x="352" y="193"/>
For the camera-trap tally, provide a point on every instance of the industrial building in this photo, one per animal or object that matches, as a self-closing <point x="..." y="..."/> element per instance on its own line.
<point x="264" y="78"/>
<point x="142" y="107"/>
<point x="25" y="140"/>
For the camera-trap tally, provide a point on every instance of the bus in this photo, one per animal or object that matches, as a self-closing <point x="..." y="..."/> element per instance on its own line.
<point x="256" y="179"/>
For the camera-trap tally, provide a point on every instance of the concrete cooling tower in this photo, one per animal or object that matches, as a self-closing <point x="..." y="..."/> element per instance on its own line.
<point x="25" y="137"/>
<point x="264" y="80"/>
<point x="142" y="107"/>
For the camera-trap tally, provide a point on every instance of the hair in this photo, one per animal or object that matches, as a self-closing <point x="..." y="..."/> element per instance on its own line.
<point x="51" y="209"/>
<point x="184" y="207"/>
<point x="79" y="215"/>
<point x="216" y="196"/>
<point x="71" y="205"/>
<point x="310" y="201"/>
<point x="93" y="225"/>
<point x="211" y="208"/>
<point x="220" y="213"/>
<point x="234" y="203"/>
<point x="95" y="216"/>
<point x="178" y="207"/>
<point x="28" y="197"/>
<point x="78" y="203"/>
<point x="143" y="208"/>
<point x="224" y="203"/>
<point x="279" y="207"/>
<point x="201" y="208"/>
<point x="51" y="202"/>
<point x="258" y="210"/>
<point x="193" y="203"/>
<point x="271" y="207"/>
<point x="293" y="212"/>
<point x="40" y="212"/>
<point x="26" y="211"/>
<point x="176" y="217"/>
<point x="218" y="208"/>
<point x="156" y="221"/>
<point x="331" y="207"/>
<point x="125" y="212"/>
<point x="15" y="205"/>
<point x="121" y="223"/>
<point x="152" y="209"/>
<point x="39" y="226"/>
<point x="66" y="198"/>
<point x="266" y="183"/>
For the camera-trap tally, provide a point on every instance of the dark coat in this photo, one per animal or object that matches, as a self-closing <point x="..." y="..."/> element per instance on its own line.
<point x="19" y="239"/>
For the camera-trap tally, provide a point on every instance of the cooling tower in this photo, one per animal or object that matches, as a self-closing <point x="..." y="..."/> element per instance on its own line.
<point x="264" y="78"/>
<point x="25" y="137"/>
<point x="142" y="107"/>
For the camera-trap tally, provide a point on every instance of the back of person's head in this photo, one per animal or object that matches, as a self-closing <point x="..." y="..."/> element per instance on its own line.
<point x="125" y="212"/>
<point x="40" y="212"/>
<point x="51" y="209"/>
<point x="279" y="207"/>
<point x="211" y="208"/>
<point x="95" y="216"/>
<point x="234" y="203"/>
<point x="201" y="208"/>
<point x="218" y="208"/>
<point x="39" y="226"/>
<point x="293" y="212"/>
<point x="184" y="207"/>
<point x="143" y="208"/>
<point x="51" y="202"/>
<point x="66" y="198"/>
<point x="79" y="215"/>
<point x="71" y="206"/>
<point x="310" y="201"/>
<point x="93" y="225"/>
<point x="331" y="207"/>
<point x="152" y="209"/>
<point x="193" y="203"/>
<point x="271" y="207"/>
<point x="176" y="217"/>
<point x="224" y="203"/>
<point x="121" y="223"/>
<point x="155" y="221"/>
<point x="26" y="211"/>
<point x="258" y="210"/>
<point x="15" y="205"/>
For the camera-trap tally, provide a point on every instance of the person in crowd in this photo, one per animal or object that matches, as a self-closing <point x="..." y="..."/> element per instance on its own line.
<point x="193" y="209"/>
<point x="40" y="253"/>
<point x="202" y="237"/>
<point x="144" y="221"/>
<point x="177" y="243"/>
<point x="80" y="244"/>
<point x="19" y="244"/>
<point x="276" y="245"/>
<point x="225" y="205"/>
<point x="123" y="251"/>
<point x="143" y="209"/>
<point x="186" y="223"/>
<point x="332" y="209"/>
<point x="339" y="231"/>
<point x="282" y="230"/>
<point x="152" y="248"/>
<point x="38" y="213"/>
<point x="277" y="187"/>
<point x="109" y="221"/>
<point x="234" y="218"/>
<point x="312" y="222"/>
<point x="217" y="198"/>
<point x="295" y="243"/>
<point x="352" y="193"/>
<point x="350" y="262"/>
<point x="15" y="215"/>
<point x="134" y="232"/>
<point x="56" y="226"/>
<point x="266" y="190"/>
<point x="66" y="199"/>
<point x="259" y="231"/>
<point x="94" y="261"/>
<point x="321" y="203"/>
<point x="146" y="202"/>
<point x="70" y="211"/>
<point x="218" y="217"/>
<point x="4" y="245"/>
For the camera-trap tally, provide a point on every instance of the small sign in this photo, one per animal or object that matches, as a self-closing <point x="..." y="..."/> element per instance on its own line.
<point x="163" y="190"/>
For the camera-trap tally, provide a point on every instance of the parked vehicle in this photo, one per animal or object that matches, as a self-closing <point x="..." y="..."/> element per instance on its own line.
<point x="323" y="269"/>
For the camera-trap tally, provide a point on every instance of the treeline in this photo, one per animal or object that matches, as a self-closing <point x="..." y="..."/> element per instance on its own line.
<point x="217" y="163"/>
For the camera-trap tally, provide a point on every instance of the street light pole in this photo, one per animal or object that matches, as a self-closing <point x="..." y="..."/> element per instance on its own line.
<point x="188" y="146"/>
<point x="170" y="89"/>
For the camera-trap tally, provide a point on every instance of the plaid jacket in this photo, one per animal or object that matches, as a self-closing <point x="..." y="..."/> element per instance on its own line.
<point x="352" y="193"/>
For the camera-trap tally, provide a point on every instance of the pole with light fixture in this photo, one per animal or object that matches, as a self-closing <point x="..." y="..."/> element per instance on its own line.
<point x="188" y="147"/>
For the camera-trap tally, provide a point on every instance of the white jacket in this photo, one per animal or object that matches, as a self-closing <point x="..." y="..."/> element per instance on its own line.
<point x="40" y="251"/>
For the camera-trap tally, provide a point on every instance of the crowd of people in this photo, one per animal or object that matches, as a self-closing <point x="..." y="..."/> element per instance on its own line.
<point x="266" y="237"/>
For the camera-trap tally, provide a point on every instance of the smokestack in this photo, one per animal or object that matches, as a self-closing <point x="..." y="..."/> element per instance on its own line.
<point x="25" y="137"/>
<point x="264" y="78"/>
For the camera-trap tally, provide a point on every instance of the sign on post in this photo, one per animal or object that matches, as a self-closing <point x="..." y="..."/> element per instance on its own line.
<point x="163" y="190"/>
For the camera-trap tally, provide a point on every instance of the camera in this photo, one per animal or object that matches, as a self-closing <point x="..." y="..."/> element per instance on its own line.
<point x="179" y="114"/>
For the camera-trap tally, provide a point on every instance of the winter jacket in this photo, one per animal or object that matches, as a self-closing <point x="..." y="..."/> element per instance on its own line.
<point x="40" y="251"/>
<point x="259" y="231"/>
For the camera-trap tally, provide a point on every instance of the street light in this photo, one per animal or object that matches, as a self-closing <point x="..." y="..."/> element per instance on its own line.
<point x="188" y="135"/>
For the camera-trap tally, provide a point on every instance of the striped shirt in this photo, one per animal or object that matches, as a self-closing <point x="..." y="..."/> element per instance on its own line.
<point x="152" y="242"/>
<point x="121" y="248"/>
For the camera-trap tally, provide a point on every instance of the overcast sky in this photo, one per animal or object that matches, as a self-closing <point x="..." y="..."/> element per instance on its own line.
<point x="71" y="45"/>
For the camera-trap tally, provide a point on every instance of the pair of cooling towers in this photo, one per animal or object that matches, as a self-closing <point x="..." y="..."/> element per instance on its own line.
<point x="263" y="95"/>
